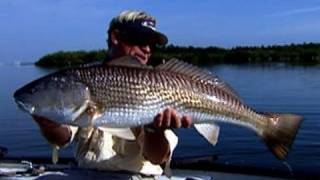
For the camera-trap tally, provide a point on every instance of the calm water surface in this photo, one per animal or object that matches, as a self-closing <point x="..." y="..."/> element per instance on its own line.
<point x="275" y="88"/>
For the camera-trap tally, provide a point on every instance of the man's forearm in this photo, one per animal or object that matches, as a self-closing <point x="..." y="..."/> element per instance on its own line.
<point x="156" y="147"/>
<point x="54" y="133"/>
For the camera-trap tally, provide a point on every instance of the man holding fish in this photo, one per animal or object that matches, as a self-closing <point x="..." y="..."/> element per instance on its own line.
<point x="131" y="33"/>
<point x="120" y="115"/>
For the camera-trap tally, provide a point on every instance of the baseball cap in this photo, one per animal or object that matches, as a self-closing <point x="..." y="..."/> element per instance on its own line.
<point x="139" y="30"/>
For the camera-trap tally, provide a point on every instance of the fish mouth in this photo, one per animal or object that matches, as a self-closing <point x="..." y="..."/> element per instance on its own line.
<point x="25" y="107"/>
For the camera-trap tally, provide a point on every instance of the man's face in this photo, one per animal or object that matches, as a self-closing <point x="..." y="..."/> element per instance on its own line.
<point x="141" y="52"/>
<point x="133" y="46"/>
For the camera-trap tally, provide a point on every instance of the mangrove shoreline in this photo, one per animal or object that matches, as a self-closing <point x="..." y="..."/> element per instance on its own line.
<point x="306" y="54"/>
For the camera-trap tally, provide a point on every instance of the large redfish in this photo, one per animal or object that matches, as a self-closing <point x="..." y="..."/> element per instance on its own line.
<point x="126" y="94"/>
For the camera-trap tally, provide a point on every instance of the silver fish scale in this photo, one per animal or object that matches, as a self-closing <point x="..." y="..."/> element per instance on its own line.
<point x="133" y="96"/>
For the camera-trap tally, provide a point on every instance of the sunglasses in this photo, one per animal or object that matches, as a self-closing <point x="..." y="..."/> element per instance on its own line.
<point x="133" y="38"/>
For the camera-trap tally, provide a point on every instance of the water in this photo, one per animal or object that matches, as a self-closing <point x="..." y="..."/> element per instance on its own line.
<point x="274" y="88"/>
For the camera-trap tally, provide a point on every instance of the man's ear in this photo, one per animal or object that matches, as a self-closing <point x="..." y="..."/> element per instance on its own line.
<point x="114" y="37"/>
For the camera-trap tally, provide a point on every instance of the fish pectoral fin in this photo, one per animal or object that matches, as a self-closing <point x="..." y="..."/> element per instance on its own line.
<point x="87" y="117"/>
<point x="81" y="121"/>
<point x="124" y="133"/>
<point x="209" y="131"/>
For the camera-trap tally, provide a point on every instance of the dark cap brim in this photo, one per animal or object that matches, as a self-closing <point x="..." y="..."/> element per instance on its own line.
<point x="160" y="38"/>
<point x="142" y="32"/>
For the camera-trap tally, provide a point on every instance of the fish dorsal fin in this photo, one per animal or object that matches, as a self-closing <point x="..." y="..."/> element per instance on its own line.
<point x="197" y="74"/>
<point x="209" y="131"/>
<point x="127" y="61"/>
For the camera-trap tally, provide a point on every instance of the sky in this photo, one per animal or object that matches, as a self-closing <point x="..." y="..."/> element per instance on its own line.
<point x="30" y="29"/>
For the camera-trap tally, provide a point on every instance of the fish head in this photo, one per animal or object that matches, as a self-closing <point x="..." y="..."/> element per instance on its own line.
<point x="58" y="97"/>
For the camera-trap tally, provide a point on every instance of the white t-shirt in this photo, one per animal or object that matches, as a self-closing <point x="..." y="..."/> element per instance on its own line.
<point x="98" y="149"/>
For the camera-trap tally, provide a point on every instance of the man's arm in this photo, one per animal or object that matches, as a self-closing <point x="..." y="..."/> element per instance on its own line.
<point x="54" y="133"/>
<point x="156" y="146"/>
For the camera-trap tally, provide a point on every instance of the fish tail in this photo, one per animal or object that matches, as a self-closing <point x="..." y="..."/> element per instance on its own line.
<point x="281" y="132"/>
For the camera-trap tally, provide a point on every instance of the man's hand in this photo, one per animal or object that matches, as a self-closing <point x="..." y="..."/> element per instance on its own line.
<point x="156" y="146"/>
<point x="54" y="133"/>
<point x="169" y="118"/>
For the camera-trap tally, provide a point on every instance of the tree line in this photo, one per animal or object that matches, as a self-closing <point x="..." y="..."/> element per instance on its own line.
<point x="293" y="54"/>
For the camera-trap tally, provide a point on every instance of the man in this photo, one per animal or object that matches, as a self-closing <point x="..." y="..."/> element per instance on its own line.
<point x="131" y="33"/>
